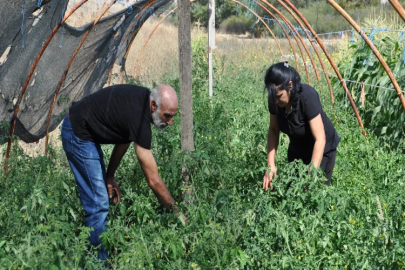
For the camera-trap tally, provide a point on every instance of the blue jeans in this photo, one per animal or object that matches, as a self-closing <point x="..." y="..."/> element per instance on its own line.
<point x="87" y="164"/>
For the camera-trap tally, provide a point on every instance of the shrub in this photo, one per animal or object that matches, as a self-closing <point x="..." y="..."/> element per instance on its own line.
<point x="236" y="25"/>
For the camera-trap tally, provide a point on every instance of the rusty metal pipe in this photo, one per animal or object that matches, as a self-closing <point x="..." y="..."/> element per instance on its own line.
<point x="313" y="46"/>
<point x="286" y="34"/>
<point x="260" y="19"/>
<point x="147" y="40"/>
<point x="126" y="53"/>
<point x="299" y="36"/>
<point x="331" y="62"/>
<point x="373" y="48"/>
<point x="144" y="7"/>
<point x="67" y="70"/>
<point x="149" y="37"/>
<point x="397" y="6"/>
<point x="24" y="88"/>
<point x="292" y="28"/>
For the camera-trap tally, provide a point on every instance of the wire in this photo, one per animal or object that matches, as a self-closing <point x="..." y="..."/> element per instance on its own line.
<point x="366" y="84"/>
<point x="341" y="32"/>
<point x="379" y="30"/>
<point x="22" y="24"/>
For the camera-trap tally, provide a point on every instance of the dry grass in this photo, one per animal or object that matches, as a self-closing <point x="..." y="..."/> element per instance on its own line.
<point x="38" y="148"/>
<point x="90" y="10"/>
<point x="160" y="55"/>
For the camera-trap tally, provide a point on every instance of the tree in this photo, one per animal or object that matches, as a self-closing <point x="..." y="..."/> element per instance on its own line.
<point x="223" y="10"/>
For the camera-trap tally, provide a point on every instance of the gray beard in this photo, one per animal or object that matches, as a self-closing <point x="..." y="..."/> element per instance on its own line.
<point x="159" y="124"/>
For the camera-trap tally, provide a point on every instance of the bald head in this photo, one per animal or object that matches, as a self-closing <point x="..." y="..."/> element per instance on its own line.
<point x="163" y="105"/>
<point x="165" y="94"/>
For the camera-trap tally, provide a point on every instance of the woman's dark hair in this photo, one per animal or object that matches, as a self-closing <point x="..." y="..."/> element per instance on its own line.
<point x="281" y="74"/>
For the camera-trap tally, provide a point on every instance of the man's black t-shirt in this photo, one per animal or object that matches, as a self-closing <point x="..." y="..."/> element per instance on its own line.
<point x="296" y="123"/>
<point x="114" y="115"/>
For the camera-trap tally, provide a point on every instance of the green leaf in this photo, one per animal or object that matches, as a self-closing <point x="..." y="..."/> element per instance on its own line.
<point x="325" y="241"/>
<point x="122" y="210"/>
<point x="243" y="258"/>
<point x="376" y="110"/>
<point x="66" y="187"/>
<point x="72" y="213"/>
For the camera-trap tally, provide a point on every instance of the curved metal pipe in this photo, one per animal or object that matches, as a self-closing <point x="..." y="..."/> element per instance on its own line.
<point x="260" y="19"/>
<point x="157" y="25"/>
<point x="126" y="35"/>
<point x="286" y="34"/>
<point x="398" y="8"/>
<point x="147" y="40"/>
<point x="313" y="46"/>
<point x="34" y="65"/>
<point x="296" y="34"/>
<point x="373" y="48"/>
<point x="144" y="7"/>
<point x="301" y="40"/>
<point x="331" y="62"/>
<point x="143" y="48"/>
<point x="67" y="70"/>
<point x="299" y="36"/>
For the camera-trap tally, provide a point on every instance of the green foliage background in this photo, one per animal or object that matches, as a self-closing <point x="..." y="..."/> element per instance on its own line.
<point x="356" y="223"/>
<point x="320" y="14"/>
<point x="382" y="112"/>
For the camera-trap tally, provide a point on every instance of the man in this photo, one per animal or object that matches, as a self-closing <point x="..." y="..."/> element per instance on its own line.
<point x="118" y="115"/>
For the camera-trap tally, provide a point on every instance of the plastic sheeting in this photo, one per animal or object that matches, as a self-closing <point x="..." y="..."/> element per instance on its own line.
<point x="23" y="39"/>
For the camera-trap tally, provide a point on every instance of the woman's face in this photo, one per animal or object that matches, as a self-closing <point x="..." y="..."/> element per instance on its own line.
<point x="283" y="95"/>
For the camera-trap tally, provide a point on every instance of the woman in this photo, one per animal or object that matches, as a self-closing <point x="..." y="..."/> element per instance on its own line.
<point x="296" y="110"/>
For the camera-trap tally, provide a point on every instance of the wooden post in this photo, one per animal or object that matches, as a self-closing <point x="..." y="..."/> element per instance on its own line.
<point x="186" y="97"/>
<point x="211" y="41"/>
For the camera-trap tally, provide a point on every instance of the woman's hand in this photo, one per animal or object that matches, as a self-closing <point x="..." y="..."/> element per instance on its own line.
<point x="268" y="178"/>
<point x="273" y="137"/>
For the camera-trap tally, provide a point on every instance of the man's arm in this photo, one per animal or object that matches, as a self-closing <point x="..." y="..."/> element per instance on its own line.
<point x="151" y="173"/>
<point x="115" y="159"/>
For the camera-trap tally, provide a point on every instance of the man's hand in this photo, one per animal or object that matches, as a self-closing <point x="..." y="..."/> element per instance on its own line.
<point x="268" y="178"/>
<point x="184" y="218"/>
<point x="177" y="212"/>
<point x="115" y="159"/>
<point x="150" y="170"/>
<point x="113" y="186"/>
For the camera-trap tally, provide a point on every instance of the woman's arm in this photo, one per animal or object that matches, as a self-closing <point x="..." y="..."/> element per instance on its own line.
<point x="272" y="141"/>
<point x="273" y="136"/>
<point x="318" y="131"/>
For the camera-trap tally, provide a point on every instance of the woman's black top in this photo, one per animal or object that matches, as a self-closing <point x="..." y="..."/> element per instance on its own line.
<point x="296" y="123"/>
